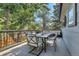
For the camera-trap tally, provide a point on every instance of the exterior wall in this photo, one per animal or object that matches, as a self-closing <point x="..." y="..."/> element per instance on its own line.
<point x="71" y="37"/>
<point x="78" y="14"/>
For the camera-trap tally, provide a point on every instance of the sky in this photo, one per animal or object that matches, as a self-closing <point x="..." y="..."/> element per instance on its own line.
<point x="50" y="6"/>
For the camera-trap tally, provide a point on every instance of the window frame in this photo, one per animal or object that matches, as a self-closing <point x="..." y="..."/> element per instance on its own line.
<point x="75" y="15"/>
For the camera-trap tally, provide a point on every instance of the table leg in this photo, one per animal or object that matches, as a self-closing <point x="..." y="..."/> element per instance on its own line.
<point x="45" y="44"/>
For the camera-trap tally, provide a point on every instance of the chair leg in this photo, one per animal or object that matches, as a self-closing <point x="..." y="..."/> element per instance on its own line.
<point x="55" y="48"/>
<point x="40" y="52"/>
<point x="55" y="45"/>
<point x="35" y="53"/>
<point x="32" y="50"/>
<point x="44" y="45"/>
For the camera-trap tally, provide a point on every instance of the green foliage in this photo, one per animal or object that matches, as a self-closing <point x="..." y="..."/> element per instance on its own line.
<point x="19" y="16"/>
<point x="56" y="24"/>
<point x="56" y="11"/>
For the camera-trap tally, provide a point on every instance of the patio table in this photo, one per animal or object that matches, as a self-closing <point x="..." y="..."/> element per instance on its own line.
<point x="44" y="36"/>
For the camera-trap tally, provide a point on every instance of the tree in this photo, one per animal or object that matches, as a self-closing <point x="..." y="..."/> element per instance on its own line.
<point x="56" y="24"/>
<point x="42" y="13"/>
<point x="56" y="12"/>
<point x="19" y="16"/>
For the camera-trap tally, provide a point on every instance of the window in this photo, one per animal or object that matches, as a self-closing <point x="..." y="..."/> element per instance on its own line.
<point x="71" y="15"/>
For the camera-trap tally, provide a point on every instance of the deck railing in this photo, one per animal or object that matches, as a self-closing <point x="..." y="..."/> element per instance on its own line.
<point x="12" y="37"/>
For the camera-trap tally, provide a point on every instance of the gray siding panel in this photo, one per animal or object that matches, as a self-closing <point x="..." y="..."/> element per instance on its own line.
<point x="71" y="38"/>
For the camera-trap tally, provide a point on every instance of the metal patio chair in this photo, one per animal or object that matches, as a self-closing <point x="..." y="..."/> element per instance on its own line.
<point x="35" y="44"/>
<point x="52" y="41"/>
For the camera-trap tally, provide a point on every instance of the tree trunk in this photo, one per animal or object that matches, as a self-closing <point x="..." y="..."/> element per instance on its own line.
<point x="44" y="24"/>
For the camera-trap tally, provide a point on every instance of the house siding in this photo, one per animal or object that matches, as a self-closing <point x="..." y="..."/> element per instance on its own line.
<point x="71" y="37"/>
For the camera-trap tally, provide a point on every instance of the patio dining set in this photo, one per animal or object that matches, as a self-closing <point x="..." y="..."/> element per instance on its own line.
<point x="38" y="42"/>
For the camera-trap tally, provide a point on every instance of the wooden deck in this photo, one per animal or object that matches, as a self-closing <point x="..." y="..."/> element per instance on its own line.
<point x="22" y="50"/>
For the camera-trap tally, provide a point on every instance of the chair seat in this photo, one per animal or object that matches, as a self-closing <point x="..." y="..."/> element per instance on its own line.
<point x="51" y="42"/>
<point x="35" y="45"/>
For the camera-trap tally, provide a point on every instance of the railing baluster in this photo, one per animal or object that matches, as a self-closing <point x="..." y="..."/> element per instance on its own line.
<point x="13" y="38"/>
<point x="3" y="40"/>
<point x="8" y="38"/>
<point x="18" y="37"/>
<point x="0" y="40"/>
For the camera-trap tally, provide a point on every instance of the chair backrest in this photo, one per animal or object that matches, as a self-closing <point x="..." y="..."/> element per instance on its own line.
<point x="33" y="40"/>
<point x="56" y="35"/>
<point x="53" y="36"/>
<point x="31" y="37"/>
